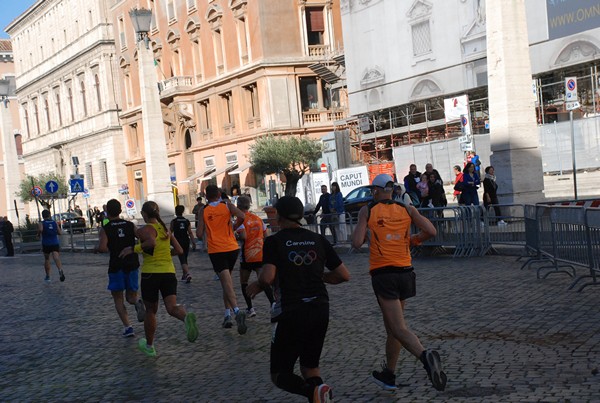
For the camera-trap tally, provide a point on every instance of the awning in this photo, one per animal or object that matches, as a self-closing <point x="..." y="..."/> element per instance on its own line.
<point x="197" y="174"/>
<point x="219" y="171"/>
<point x="241" y="169"/>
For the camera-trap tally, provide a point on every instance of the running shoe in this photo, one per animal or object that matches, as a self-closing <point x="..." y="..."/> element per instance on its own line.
<point x="128" y="332"/>
<point x="47" y="279"/>
<point x="250" y="312"/>
<point x="240" y="319"/>
<point x="191" y="330"/>
<point x="323" y="394"/>
<point x="183" y="277"/>
<point x="227" y="323"/>
<point x="141" y="310"/>
<point x="188" y="278"/>
<point x="62" y="275"/>
<point x="433" y="365"/>
<point x="144" y="348"/>
<point x="385" y="378"/>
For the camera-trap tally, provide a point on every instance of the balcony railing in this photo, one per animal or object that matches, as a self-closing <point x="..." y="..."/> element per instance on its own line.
<point x="323" y="116"/>
<point x="171" y="84"/>
<point x="318" y="50"/>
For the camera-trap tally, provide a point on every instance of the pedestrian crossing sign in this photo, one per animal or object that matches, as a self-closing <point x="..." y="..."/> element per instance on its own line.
<point x="76" y="185"/>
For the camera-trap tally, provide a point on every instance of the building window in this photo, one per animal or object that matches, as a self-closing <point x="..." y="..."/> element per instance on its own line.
<point x="89" y="175"/>
<point x="122" y="37"/>
<point x="188" y="139"/>
<point x="198" y="60"/>
<point x="26" y="119"/>
<point x="153" y="23"/>
<point x="133" y="140"/>
<point x="71" y="109"/>
<point x="37" y="118"/>
<point x="227" y="104"/>
<point x="191" y="5"/>
<point x="47" y="112"/>
<point x="103" y="173"/>
<point x="315" y="26"/>
<point x="176" y="68"/>
<point x="205" y="125"/>
<point x="58" y="111"/>
<point x="421" y="38"/>
<point x="309" y="97"/>
<point x="251" y="101"/>
<point x="218" y="46"/>
<point x="242" y="33"/>
<point x="98" y="95"/>
<point x="83" y="102"/>
<point x="171" y="11"/>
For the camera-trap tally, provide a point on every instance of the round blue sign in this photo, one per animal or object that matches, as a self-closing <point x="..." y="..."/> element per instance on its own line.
<point x="51" y="187"/>
<point x="571" y="85"/>
<point x="463" y="120"/>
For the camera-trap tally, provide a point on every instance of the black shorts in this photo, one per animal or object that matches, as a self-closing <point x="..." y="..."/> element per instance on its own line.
<point x="394" y="283"/>
<point x="186" y="251"/>
<point x="48" y="249"/>
<point x="223" y="260"/>
<point x="152" y="283"/>
<point x="300" y="335"/>
<point x="250" y="265"/>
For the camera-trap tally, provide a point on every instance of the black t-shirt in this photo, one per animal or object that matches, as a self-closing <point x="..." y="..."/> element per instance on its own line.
<point x="180" y="227"/>
<point x="120" y="234"/>
<point x="300" y="257"/>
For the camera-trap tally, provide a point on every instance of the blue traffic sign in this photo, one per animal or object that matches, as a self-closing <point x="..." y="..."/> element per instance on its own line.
<point x="76" y="185"/>
<point x="51" y="187"/>
<point x="86" y="193"/>
<point x="36" y="191"/>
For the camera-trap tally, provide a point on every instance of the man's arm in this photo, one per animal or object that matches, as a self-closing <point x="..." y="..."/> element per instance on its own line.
<point x="266" y="276"/>
<point x="102" y="241"/>
<point x="40" y="229"/>
<point x="236" y="212"/>
<point x="427" y="230"/>
<point x="360" y="231"/>
<point x="338" y="275"/>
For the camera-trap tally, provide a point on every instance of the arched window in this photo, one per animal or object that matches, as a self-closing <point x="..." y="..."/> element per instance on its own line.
<point x="188" y="139"/>
<point x="58" y="108"/>
<point x="98" y="96"/>
<point x="37" y="118"/>
<point x="26" y="118"/>
<point x="72" y="110"/>
<point x="47" y="112"/>
<point x="83" y="98"/>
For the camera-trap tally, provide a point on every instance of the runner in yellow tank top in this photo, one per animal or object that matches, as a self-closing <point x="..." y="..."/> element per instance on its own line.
<point x="393" y="277"/>
<point x="223" y="249"/>
<point x="158" y="276"/>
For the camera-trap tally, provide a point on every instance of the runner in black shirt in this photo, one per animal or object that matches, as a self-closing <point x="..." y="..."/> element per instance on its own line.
<point x="293" y="262"/>
<point x="123" y="273"/>
<point x="182" y="230"/>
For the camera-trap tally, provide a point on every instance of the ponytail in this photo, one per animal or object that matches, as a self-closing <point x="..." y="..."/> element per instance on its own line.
<point x="152" y="211"/>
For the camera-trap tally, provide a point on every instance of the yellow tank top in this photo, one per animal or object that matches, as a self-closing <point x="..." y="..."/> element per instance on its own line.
<point x="160" y="261"/>
<point x="219" y="231"/>
<point x="389" y="224"/>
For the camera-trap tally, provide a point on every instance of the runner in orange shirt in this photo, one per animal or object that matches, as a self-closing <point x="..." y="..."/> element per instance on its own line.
<point x="252" y="232"/>
<point x="223" y="249"/>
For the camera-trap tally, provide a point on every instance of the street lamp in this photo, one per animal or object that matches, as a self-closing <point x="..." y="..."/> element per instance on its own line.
<point x="9" y="152"/>
<point x="158" y="180"/>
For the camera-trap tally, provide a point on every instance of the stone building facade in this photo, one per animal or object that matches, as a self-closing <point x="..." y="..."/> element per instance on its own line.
<point x="68" y="94"/>
<point x="228" y="71"/>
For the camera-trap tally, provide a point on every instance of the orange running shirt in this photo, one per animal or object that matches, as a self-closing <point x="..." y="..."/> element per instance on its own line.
<point x="253" y="245"/>
<point x="219" y="231"/>
<point x="389" y="224"/>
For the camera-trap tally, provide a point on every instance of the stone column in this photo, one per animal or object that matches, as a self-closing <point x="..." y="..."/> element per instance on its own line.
<point x="12" y="174"/>
<point x="158" y="180"/>
<point x="514" y="134"/>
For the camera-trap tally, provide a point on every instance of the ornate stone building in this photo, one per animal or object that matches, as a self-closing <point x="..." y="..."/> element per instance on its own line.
<point x="68" y="94"/>
<point x="229" y="71"/>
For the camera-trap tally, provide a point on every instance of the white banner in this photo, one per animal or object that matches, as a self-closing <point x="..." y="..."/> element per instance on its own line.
<point x="350" y="178"/>
<point x="454" y="108"/>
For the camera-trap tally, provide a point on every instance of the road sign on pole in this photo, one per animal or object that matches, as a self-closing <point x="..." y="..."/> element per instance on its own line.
<point x="571" y="89"/>
<point x="86" y="193"/>
<point x="36" y="191"/>
<point x="51" y="187"/>
<point x="76" y="185"/>
<point x="130" y="206"/>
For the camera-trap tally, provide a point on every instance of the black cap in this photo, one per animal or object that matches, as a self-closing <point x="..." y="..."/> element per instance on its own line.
<point x="291" y="208"/>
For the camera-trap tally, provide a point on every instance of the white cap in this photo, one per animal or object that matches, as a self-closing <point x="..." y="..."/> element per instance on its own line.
<point x="383" y="180"/>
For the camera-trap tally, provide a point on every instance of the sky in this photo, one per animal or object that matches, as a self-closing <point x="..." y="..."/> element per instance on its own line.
<point x="11" y="9"/>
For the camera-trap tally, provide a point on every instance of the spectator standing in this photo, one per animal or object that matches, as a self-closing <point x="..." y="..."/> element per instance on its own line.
<point x="471" y="183"/>
<point x="326" y="218"/>
<point x="458" y="177"/>
<point x="490" y="196"/>
<point x="410" y="184"/>
<point x="294" y="262"/>
<point x="393" y="277"/>
<point x="337" y="210"/>
<point x="2" y="232"/>
<point x="91" y="215"/>
<point x="78" y="211"/>
<point x="423" y="188"/>
<point x="7" y="231"/>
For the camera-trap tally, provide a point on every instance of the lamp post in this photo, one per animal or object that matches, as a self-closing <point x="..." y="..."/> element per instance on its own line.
<point x="158" y="181"/>
<point x="9" y="153"/>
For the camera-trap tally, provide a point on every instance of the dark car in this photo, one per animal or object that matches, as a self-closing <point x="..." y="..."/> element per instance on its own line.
<point x="70" y="221"/>
<point x="356" y="198"/>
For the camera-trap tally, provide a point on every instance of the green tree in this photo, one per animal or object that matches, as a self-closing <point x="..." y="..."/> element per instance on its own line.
<point x="291" y="155"/>
<point x="29" y="182"/>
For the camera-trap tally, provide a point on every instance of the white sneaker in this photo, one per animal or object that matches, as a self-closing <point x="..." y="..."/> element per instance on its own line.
<point x="502" y="222"/>
<point x="250" y="312"/>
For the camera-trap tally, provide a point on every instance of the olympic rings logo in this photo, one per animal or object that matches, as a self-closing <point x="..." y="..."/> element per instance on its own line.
<point x="302" y="258"/>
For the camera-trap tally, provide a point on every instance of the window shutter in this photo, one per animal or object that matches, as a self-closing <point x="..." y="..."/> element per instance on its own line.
<point x="315" y="19"/>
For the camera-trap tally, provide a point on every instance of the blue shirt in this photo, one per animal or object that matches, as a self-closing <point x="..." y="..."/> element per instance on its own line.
<point x="50" y="232"/>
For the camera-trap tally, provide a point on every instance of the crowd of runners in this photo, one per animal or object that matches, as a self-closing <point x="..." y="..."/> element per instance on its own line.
<point x="290" y="267"/>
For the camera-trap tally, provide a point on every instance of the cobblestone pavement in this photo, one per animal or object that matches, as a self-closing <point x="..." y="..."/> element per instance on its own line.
<point x="502" y="334"/>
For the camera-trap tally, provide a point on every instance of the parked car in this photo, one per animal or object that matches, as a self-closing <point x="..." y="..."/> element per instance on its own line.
<point x="356" y="198"/>
<point x="70" y="221"/>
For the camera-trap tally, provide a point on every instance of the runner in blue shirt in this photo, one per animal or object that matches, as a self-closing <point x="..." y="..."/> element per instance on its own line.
<point x="49" y="231"/>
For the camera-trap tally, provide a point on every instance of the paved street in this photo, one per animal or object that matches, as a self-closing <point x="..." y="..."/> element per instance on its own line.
<point x="503" y="336"/>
